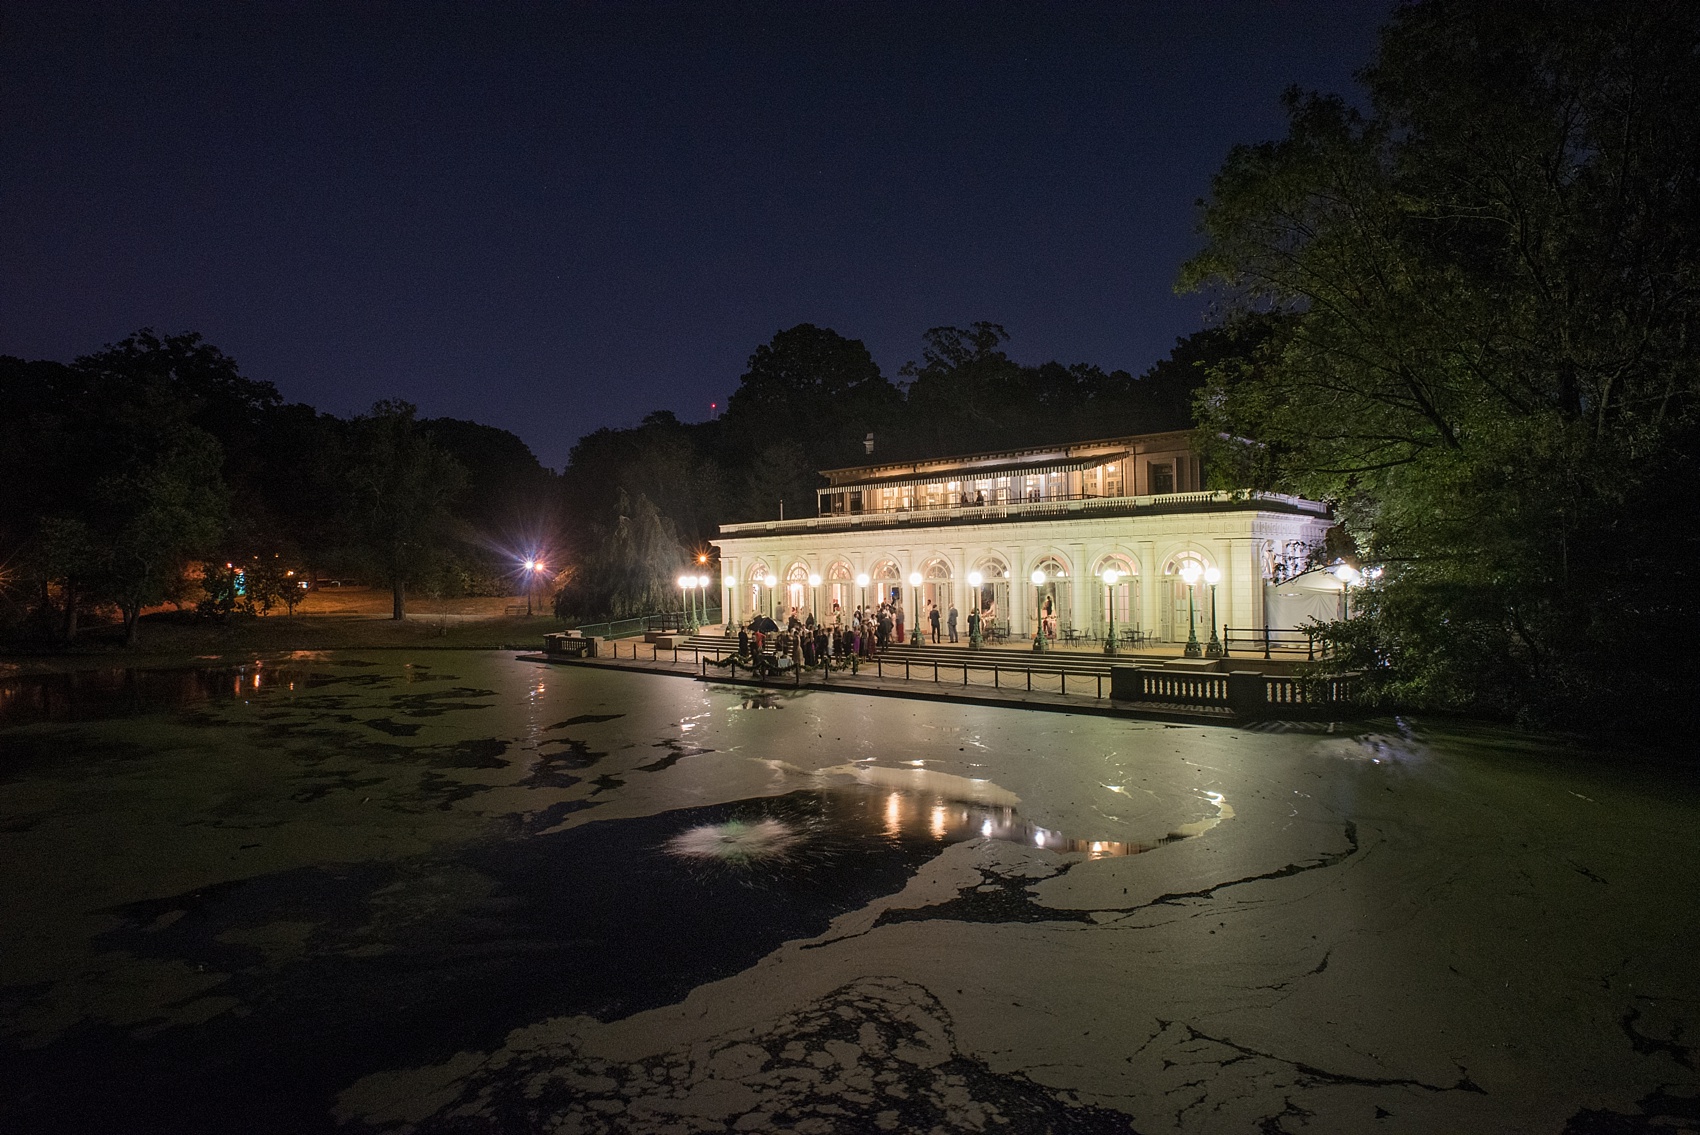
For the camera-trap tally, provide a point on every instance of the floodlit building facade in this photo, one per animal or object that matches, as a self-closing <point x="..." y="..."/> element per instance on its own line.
<point x="1023" y="526"/>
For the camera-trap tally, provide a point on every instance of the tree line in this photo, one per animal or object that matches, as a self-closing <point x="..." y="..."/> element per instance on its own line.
<point x="648" y="499"/>
<point x="1479" y="292"/>
<point x="127" y="466"/>
<point x="153" y="471"/>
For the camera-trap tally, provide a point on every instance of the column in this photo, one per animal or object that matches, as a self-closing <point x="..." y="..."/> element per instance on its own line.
<point x="1080" y="608"/>
<point x="1020" y="595"/>
<point x="1145" y="595"/>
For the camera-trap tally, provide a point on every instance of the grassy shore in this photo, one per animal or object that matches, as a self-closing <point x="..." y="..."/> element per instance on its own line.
<point x="352" y="620"/>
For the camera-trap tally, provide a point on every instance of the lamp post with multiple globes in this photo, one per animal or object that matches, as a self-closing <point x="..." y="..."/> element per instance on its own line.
<point x="1213" y="576"/>
<point x="1190" y="574"/>
<point x="1110" y="577"/>
<point x="687" y="583"/>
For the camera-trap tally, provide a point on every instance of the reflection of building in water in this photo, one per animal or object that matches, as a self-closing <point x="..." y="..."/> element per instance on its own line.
<point x="909" y="816"/>
<point x="1007" y="531"/>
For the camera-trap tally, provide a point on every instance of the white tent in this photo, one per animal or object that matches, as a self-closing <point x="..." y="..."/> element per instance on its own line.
<point x="1315" y="595"/>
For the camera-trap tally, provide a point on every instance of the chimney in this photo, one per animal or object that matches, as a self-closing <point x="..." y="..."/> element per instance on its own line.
<point x="868" y="443"/>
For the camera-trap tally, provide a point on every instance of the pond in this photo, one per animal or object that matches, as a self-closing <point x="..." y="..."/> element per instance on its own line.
<point x="456" y="891"/>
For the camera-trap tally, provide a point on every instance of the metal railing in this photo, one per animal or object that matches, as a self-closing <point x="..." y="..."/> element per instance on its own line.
<point x="1269" y="641"/>
<point x="679" y="620"/>
<point x="1242" y="694"/>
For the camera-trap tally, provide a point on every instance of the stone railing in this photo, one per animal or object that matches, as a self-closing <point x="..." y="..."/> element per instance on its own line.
<point x="1244" y="693"/>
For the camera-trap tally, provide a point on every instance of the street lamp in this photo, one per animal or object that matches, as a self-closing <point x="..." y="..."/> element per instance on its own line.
<point x="772" y="582"/>
<point x="915" y="582"/>
<point x="1213" y="576"/>
<point x="702" y="582"/>
<point x="686" y="582"/>
<point x="814" y="596"/>
<point x="862" y="582"/>
<point x="1349" y="578"/>
<point x="1110" y="577"/>
<point x="532" y="568"/>
<point x="975" y="579"/>
<point x="1038" y="578"/>
<point x="1190" y="574"/>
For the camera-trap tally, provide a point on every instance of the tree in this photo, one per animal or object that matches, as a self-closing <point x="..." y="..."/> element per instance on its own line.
<point x="630" y="567"/>
<point x="1480" y="296"/>
<point x="151" y="515"/>
<point x="400" y="488"/>
<point x="815" y="388"/>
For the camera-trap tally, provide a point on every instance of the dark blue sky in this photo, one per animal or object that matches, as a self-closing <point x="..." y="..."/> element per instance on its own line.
<point x="563" y="216"/>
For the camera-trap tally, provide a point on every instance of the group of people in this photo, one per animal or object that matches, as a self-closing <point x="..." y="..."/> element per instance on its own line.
<point x="864" y="633"/>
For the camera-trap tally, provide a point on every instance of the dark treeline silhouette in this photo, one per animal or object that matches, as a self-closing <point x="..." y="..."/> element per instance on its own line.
<point x="135" y="474"/>
<point x="645" y="501"/>
<point x="1484" y="273"/>
<point x="127" y="467"/>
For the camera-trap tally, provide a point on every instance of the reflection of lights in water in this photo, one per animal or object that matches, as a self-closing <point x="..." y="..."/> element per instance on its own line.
<point x="986" y="826"/>
<point x="917" y="764"/>
<point x="937" y="825"/>
<point x="736" y="841"/>
<point x="894" y="815"/>
<point x="1224" y="811"/>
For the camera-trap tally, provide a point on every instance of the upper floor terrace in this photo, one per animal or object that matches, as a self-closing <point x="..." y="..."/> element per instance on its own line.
<point x="1058" y="507"/>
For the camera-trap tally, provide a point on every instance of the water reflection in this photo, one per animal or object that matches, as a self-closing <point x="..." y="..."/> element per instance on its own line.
<point x="801" y="830"/>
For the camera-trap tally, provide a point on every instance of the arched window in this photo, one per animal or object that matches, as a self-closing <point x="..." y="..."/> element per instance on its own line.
<point x="840" y="589"/>
<point x="1052" y="594"/>
<point x="936" y="585"/>
<point x="755" y="586"/>
<point x="1115" y="605"/>
<point x="1179" y="606"/>
<point x="797" y="590"/>
<point x="887" y="583"/>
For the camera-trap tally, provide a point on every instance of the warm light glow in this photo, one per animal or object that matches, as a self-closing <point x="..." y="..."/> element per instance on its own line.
<point x="1347" y="574"/>
<point x="702" y="557"/>
<point x="937" y="825"/>
<point x="729" y="581"/>
<point x="814" y="581"/>
<point x="1190" y="571"/>
<point x="1110" y="576"/>
<point x="862" y="580"/>
<point x="975" y="579"/>
<point x="771" y="580"/>
<point x="914" y="579"/>
<point x="1212" y="576"/>
<point x="1038" y="577"/>
<point x="702" y="581"/>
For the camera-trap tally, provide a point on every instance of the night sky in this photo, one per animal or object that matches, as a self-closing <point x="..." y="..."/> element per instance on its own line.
<point x="560" y="217"/>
